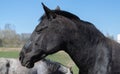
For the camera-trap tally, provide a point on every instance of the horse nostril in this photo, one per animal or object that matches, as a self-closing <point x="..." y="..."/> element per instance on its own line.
<point x="20" y="58"/>
<point x="36" y="43"/>
<point x="21" y="55"/>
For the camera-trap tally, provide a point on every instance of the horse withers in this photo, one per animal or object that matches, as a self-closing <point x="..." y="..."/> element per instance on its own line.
<point x="91" y="51"/>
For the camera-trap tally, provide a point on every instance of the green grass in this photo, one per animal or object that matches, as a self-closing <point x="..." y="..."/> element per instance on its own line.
<point x="60" y="57"/>
<point x="9" y="54"/>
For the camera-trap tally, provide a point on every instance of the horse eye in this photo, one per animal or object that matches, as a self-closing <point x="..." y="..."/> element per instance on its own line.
<point x="38" y="30"/>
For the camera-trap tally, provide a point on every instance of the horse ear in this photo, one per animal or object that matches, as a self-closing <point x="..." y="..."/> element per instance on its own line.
<point x="57" y="8"/>
<point x="50" y="14"/>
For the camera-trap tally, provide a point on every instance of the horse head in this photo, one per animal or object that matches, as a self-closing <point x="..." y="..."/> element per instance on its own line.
<point x="48" y="37"/>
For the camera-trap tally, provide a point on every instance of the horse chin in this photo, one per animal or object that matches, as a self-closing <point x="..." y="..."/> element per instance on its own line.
<point x="35" y="59"/>
<point x="29" y="65"/>
<point x="43" y="56"/>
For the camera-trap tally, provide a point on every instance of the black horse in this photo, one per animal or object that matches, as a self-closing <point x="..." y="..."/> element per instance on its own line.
<point x="58" y="30"/>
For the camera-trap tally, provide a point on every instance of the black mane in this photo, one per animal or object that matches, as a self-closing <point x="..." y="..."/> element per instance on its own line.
<point x="65" y="14"/>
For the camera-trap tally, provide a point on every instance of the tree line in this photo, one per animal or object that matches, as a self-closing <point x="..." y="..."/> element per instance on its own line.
<point x="9" y="37"/>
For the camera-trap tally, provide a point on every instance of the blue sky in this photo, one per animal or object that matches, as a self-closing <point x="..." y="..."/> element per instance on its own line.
<point x="24" y="14"/>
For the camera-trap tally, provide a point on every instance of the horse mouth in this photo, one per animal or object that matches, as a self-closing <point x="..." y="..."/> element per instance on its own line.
<point x="43" y="56"/>
<point x="29" y="64"/>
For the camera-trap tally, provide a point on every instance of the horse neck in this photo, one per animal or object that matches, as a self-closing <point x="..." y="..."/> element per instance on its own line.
<point x="86" y="39"/>
<point x="74" y="54"/>
<point x="115" y="46"/>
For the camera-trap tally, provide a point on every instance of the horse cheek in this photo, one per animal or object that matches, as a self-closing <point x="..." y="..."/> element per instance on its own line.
<point x="53" y="47"/>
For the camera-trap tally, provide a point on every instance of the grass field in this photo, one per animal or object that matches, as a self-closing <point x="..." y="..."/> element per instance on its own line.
<point x="60" y="57"/>
<point x="9" y="54"/>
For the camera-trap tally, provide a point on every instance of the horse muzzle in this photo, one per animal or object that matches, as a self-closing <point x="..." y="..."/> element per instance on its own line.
<point x="25" y="61"/>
